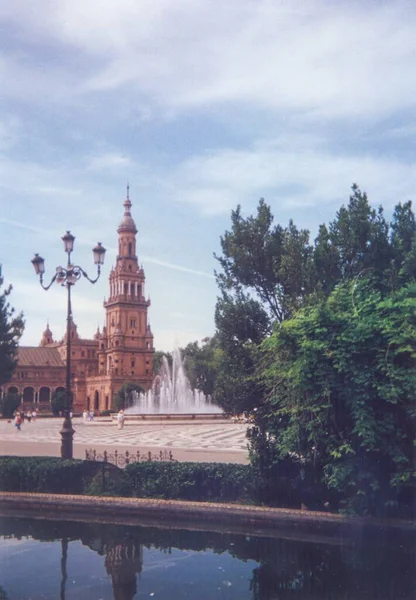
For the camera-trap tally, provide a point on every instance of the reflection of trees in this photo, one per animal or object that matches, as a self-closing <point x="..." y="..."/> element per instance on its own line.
<point x="287" y="569"/>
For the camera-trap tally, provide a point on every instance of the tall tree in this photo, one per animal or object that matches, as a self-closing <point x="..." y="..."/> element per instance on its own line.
<point x="272" y="263"/>
<point x="11" y="330"/>
<point x="360" y="235"/>
<point x="341" y="377"/>
<point x="201" y="364"/>
<point x="267" y="271"/>
<point x="403" y="241"/>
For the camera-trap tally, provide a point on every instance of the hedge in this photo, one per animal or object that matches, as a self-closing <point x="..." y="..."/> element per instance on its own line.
<point x="211" y="482"/>
<point x="40" y="474"/>
<point x="182" y="481"/>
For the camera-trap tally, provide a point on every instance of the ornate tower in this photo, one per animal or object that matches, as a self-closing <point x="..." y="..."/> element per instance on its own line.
<point x="47" y="337"/>
<point x="128" y="354"/>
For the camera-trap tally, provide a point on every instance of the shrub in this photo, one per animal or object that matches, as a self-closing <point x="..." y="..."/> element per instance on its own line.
<point x="105" y="413"/>
<point x="212" y="482"/>
<point x="41" y="474"/>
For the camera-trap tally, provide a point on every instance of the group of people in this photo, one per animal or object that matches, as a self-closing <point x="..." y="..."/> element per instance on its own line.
<point x="20" y="416"/>
<point x="88" y="415"/>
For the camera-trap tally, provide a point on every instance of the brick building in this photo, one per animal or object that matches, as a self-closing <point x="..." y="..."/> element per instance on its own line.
<point x="123" y="351"/>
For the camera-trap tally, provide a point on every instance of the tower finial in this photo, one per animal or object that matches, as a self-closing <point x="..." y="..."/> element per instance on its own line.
<point x="128" y="190"/>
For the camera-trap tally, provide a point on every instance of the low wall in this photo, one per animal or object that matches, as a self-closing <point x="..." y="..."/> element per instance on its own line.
<point x="203" y="516"/>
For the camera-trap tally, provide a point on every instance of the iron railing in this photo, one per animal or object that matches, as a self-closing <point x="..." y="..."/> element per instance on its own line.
<point x="121" y="459"/>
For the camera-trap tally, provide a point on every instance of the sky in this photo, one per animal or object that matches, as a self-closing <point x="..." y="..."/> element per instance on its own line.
<point x="200" y="105"/>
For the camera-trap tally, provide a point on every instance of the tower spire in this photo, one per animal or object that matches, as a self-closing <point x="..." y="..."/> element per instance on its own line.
<point x="128" y="190"/>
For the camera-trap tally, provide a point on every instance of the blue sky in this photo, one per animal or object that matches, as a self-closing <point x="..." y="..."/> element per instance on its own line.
<point x="200" y="105"/>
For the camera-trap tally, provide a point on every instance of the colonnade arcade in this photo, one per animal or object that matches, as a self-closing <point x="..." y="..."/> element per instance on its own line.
<point x="32" y="395"/>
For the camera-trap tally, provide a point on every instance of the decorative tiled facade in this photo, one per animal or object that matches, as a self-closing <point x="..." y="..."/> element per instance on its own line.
<point x="122" y="351"/>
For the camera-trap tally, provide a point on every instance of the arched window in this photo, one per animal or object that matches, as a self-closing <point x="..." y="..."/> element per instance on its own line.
<point x="28" y="395"/>
<point x="130" y="248"/>
<point x="44" y="394"/>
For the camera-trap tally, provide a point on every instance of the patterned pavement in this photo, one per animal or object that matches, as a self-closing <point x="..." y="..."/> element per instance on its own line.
<point x="228" y="437"/>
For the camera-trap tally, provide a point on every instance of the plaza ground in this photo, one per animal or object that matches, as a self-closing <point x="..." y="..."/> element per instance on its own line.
<point x="191" y="441"/>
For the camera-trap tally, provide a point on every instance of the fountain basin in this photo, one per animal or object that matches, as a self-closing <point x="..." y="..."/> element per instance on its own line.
<point x="128" y="418"/>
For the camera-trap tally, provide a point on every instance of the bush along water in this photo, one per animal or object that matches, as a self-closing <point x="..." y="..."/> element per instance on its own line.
<point x="210" y="482"/>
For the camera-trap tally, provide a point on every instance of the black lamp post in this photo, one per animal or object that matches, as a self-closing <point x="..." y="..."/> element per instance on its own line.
<point x="68" y="277"/>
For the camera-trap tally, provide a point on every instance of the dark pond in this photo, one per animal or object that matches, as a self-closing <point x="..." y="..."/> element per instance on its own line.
<point x="91" y="561"/>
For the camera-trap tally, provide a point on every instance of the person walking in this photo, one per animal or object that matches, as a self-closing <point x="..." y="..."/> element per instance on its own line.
<point x="18" y="421"/>
<point x="120" y="419"/>
<point x="34" y="415"/>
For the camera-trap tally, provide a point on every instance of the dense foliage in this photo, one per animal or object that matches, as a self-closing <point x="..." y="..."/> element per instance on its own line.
<point x="123" y="397"/>
<point x="211" y="482"/>
<point x="342" y="381"/>
<point x="11" y="330"/>
<point x="268" y="272"/>
<point x="58" y="402"/>
<point x="42" y="474"/>
<point x="317" y="340"/>
<point x="9" y="404"/>
<point x="202" y="363"/>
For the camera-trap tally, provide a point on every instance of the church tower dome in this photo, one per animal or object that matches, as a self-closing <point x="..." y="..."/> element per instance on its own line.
<point x="127" y="224"/>
<point x="47" y="336"/>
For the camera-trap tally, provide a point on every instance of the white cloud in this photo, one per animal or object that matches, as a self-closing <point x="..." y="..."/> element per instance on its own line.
<point x="109" y="160"/>
<point x="288" y="177"/>
<point x="328" y="59"/>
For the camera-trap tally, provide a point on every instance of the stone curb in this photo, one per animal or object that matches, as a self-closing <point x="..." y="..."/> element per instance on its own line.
<point x="163" y="511"/>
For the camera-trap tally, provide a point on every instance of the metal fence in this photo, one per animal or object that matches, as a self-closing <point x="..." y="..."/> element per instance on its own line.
<point x="121" y="459"/>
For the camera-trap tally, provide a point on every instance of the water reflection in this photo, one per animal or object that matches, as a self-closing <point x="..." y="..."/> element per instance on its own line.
<point x="178" y="564"/>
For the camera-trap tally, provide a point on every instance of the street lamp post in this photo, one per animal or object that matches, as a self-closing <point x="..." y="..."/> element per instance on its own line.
<point x="68" y="277"/>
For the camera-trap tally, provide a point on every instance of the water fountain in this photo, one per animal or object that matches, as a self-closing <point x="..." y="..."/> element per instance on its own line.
<point x="171" y="394"/>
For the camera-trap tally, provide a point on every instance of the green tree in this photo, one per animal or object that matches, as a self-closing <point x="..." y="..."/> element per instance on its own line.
<point x="123" y="397"/>
<point x="158" y="358"/>
<point x="360" y="236"/>
<point x="268" y="272"/>
<point x="58" y="402"/>
<point x="202" y="363"/>
<point x="9" y="404"/>
<point x="242" y="323"/>
<point x="341" y="377"/>
<point x="403" y="241"/>
<point x="11" y="330"/>
<point x="272" y="263"/>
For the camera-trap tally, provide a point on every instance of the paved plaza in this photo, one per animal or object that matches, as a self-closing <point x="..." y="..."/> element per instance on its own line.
<point x="194" y="441"/>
